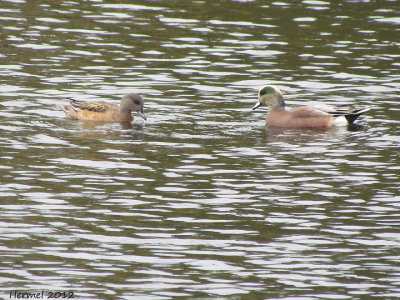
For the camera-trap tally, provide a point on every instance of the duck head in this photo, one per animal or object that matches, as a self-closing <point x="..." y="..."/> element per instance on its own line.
<point x="270" y="96"/>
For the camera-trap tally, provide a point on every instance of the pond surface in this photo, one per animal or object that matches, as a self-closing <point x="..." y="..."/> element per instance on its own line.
<point x="202" y="201"/>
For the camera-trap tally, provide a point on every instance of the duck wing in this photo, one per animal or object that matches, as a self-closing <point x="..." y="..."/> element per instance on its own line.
<point x="343" y="110"/>
<point x="98" y="106"/>
<point x="350" y="112"/>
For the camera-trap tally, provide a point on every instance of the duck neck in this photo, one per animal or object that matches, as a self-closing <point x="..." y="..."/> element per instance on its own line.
<point x="124" y="107"/>
<point x="277" y="103"/>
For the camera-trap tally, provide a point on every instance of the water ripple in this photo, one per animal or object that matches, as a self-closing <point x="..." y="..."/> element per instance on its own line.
<point x="201" y="200"/>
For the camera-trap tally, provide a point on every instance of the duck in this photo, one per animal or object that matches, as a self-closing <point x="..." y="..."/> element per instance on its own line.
<point x="104" y="111"/>
<point x="304" y="116"/>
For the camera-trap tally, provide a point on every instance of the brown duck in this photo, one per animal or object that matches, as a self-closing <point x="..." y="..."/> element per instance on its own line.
<point x="105" y="111"/>
<point x="304" y="116"/>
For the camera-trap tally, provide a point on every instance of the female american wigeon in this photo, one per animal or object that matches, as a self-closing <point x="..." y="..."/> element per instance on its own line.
<point x="303" y="116"/>
<point x="104" y="111"/>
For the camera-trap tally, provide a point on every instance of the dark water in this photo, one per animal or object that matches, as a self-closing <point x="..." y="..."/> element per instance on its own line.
<point x="202" y="201"/>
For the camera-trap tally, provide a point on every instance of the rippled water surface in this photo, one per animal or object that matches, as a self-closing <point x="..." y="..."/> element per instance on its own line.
<point x="202" y="201"/>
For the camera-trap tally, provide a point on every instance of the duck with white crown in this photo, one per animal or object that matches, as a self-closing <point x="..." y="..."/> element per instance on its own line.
<point x="304" y="116"/>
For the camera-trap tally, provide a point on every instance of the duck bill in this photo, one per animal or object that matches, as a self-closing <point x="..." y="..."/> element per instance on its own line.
<point x="141" y="113"/>
<point x="258" y="104"/>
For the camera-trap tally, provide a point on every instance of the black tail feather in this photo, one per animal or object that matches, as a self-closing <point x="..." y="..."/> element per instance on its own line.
<point x="351" y="114"/>
<point x="351" y="118"/>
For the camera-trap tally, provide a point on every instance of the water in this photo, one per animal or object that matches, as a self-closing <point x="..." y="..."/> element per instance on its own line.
<point x="201" y="201"/>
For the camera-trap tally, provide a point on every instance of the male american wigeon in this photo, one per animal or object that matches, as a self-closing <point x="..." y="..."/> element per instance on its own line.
<point x="104" y="111"/>
<point x="304" y="116"/>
